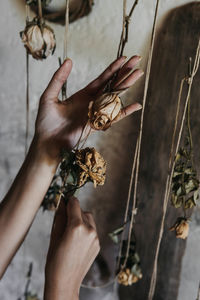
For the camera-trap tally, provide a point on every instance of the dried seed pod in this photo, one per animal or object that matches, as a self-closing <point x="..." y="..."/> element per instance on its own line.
<point x="181" y="228"/>
<point x="92" y="166"/>
<point x="104" y="111"/>
<point x="126" y="277"/>
<point x="38" y="39"/>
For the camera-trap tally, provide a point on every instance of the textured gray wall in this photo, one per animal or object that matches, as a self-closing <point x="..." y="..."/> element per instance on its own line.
<point x="93" y="44"/>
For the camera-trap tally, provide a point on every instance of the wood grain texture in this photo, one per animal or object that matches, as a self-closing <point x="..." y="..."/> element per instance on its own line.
<point x="175" y="43"/>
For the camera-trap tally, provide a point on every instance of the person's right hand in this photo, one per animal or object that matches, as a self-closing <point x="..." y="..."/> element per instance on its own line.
<point x="73" y="247"/>
<point x="60" y="124"/>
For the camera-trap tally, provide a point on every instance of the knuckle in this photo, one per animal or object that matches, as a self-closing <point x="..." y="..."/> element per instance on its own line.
<point x="76" y="226"/>
<point x="92" y="233"/>
<point x="111" y="68"/>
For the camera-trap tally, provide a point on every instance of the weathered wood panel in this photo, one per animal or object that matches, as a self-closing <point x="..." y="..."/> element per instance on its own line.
<point x="175" y="43"/>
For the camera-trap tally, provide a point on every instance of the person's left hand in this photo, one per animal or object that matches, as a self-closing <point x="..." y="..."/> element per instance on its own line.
<point x="59" y="124"/>
<point x="73" y="247"/>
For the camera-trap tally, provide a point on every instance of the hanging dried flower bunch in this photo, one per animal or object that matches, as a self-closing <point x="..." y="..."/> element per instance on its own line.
<point x="130" y="271"/>
<point x="104" y="111"/>
<point x="76" y="169"/>
<point x="38" y="39"/>
<point x="185" y="183"/>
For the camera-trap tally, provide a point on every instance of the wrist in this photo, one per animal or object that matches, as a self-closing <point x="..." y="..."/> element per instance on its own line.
<point x="42" y="153"/>
<point x="54" y="291"/>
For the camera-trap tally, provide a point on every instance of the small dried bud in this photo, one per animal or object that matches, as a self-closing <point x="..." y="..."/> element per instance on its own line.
<point x="104" y="111"/>
<point x="39" y="39"/>
<point x="126" y="277"/>
<point x="92" y="166"/>
<point x="181" y="228"/>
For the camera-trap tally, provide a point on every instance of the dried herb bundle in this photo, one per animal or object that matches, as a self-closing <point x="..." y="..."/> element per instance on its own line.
<point x="185" y="184"/>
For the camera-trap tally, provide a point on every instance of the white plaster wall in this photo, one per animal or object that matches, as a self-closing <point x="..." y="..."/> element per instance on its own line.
<point x="93" y="45"/>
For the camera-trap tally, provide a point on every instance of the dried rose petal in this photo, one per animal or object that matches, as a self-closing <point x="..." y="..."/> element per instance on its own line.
<point x="39" y="40"/>
<point x="104" y="111"/>
<point x="181" y="228"/>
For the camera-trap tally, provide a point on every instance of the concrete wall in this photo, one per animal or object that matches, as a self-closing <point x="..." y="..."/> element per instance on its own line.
<point x="93" y="45"/>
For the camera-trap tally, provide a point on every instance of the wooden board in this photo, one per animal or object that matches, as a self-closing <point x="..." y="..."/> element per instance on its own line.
<point x="175" y="43"/>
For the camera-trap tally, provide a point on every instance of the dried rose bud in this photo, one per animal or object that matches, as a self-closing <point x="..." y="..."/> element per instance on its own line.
<point x="92" y="166"/>
<point x="126" y="277"/>
<point x="104" y="111"/>
<point x="39" y="39"/>
<point x="181" y="228"/>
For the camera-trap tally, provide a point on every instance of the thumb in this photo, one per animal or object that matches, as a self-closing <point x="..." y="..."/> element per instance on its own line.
<point x="55" y="85"/>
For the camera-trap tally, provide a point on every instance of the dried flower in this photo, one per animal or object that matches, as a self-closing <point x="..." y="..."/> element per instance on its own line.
<point x="126" y="277"/>
<point x="181" y="228"/>
<point x="39" y="39"/>
<point x="92" y="166"/>
<point x="104" y="111"/>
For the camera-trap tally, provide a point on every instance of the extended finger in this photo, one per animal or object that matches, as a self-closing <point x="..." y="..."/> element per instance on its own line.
<point x="128" y="110"/>
<point x="59" y="223"/>
<point x="130" y="80"/>
<point x="74" y="213"/>
<point x="126" y="69"/>
<point x="101" y="80"/>
<point x="55" y="85"/>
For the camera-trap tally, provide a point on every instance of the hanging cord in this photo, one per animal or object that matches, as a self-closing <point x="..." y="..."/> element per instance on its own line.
<point x="27" y="88"/>
<point x="127" y="205"/>
<point x="136" y="161"/>
<point x="64" y="88"/>
<point x="125" y="27"/>
<point x="170" y="175"/>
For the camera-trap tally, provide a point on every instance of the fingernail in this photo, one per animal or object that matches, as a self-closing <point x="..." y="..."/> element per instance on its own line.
<point x="139" y="58"/>
<point x="141" y="73"/>
<point x="139" y="106"/>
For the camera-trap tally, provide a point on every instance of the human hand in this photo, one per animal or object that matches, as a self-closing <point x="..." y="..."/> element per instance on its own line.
<point x="60" y="124"/>
<point x="73" y="247"/>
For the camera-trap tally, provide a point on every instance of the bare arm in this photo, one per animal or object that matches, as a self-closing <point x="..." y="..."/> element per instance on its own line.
<point x="58" y="125"/>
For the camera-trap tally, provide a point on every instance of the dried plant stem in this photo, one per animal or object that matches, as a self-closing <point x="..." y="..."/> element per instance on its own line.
<point x="127" y="207"/>
<point x="125" y="27"/>
<point x="40" y="9"/>
<point x="170" y="175"/>
<point x="27" y="88"/>
<point x="198" y="293"/>
<point x="64" y="89"/>
<point x="27" y="102"/>
<point x="27" y="13"/>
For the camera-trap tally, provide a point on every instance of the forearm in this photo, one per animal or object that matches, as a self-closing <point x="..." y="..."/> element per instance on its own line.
<point x="51" y="293"/>
<point x="20" y="205"/>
